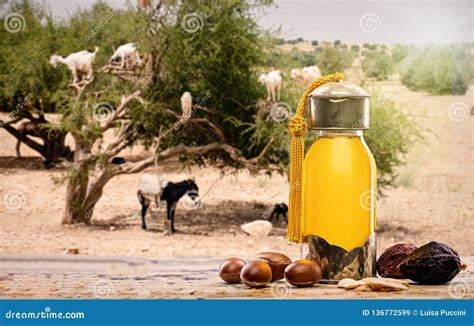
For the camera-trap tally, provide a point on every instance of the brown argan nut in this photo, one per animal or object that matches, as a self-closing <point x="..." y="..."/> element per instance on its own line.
<point x="387" y="264"/>
<point x="277" y="262"/>
<point x="303" y="272"/>
<point x="229" y="271"/>
<point x="256" y="274"/>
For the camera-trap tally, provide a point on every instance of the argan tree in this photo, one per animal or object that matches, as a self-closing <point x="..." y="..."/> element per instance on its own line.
<point x="208" y="49"/>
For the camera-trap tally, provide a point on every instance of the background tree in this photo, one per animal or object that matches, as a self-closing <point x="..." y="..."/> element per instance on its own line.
<point x="333" y="59"/>
<point x="378" y="64"/>
<point x="438" y="69"/>
<point x="213" y="60"/>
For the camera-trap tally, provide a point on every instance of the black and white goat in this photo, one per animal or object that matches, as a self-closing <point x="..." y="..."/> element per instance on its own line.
<point x="153" y="189"/>
<point x="279" y="209"/>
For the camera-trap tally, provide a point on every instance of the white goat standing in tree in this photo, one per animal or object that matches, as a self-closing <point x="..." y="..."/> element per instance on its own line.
<point x="186" y="104"/>
<point x="80" y="64"/>
<point x="273" y="81"/>
<point x="127" y="54"/>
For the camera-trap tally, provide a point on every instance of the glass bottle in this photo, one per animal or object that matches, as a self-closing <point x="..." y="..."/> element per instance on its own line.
<point x="339" y="184"/>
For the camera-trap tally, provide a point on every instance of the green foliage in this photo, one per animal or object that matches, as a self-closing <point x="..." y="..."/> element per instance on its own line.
<point x="438" y="69"/>
<point x="355" y="48"/>
<point x="378" y="65"/>
<point x="400" y="51"/>
<point x="331" y="60"/>
<point x="314" y="43"/>
<point x="294" y="58"/>
<point x="391" y="135"/>
<point x="337" y="43"/>
<point x="280" y="41"/>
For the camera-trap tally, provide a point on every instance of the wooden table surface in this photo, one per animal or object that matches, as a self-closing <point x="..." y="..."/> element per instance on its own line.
<point x="71" y="276"/>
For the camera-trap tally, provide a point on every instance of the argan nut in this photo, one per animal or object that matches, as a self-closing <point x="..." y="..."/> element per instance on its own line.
<point x="229" y="271"/>
<point x="256" y="274"/>
<point x="387" y="264"/>
<point x="303" y="272"/>
<point x="277" y="262"/>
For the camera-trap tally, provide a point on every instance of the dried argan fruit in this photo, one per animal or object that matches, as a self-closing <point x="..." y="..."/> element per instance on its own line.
<point x="387" y="264"/>
<point x="433" y="263"/>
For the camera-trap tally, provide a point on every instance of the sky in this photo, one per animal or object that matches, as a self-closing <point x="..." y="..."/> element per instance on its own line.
<point x="383" y="21"/>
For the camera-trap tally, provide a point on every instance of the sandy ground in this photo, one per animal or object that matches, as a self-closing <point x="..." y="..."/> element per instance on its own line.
<point x="433" y="202"/>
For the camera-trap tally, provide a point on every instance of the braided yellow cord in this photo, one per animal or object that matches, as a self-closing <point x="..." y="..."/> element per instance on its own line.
<point x="297" y="129"/>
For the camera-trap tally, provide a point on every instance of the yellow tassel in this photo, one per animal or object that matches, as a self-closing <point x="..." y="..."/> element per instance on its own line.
<point x="297" y="129"/>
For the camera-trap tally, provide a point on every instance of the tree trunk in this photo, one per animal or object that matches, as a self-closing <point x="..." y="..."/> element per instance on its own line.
<point x="77" y="186"/>
<point x="75" y="196"/>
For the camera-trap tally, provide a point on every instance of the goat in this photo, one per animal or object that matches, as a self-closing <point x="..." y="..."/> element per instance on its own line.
<point x="186" y="104"/>
<point x="28" y="128"/>
<point x="127" y="54"/>
<point x="152" y="188"/>
<point x="308" y="74"/>
<point x="80" y="64"/>
<point x="273" y="82"/>
<point x="279" y="209"/>
<point x="295" y="73"/>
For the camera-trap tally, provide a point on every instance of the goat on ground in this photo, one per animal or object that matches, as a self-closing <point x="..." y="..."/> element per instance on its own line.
<point x="128" y="56"/>
<point x="80" y="64"/>
<point x="273" y="82"/>
<point x="279" y="209"/>
<point x="153" y="189"/>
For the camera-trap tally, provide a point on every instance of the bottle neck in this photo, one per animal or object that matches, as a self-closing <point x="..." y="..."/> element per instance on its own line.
<point x="339" y="133"/>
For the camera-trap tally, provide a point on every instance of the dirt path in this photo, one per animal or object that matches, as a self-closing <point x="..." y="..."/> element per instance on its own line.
<point x="434" y="200"/>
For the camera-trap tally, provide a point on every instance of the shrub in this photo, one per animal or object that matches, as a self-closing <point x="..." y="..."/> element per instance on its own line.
<point x="391" y="135"/>
<point x="400" y="51"/>
<point x="378" y="65"/>
<point x="314" y="43"/>
<point x="331" y="60"/>
<point x="437" y="69"/>
<point x="355" y="48"/>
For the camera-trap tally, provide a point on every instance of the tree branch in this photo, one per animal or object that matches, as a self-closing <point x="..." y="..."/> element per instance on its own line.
<point x="250" y="164"/>
<point x="25" y="139"/>
<point x="120" y="110"/>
